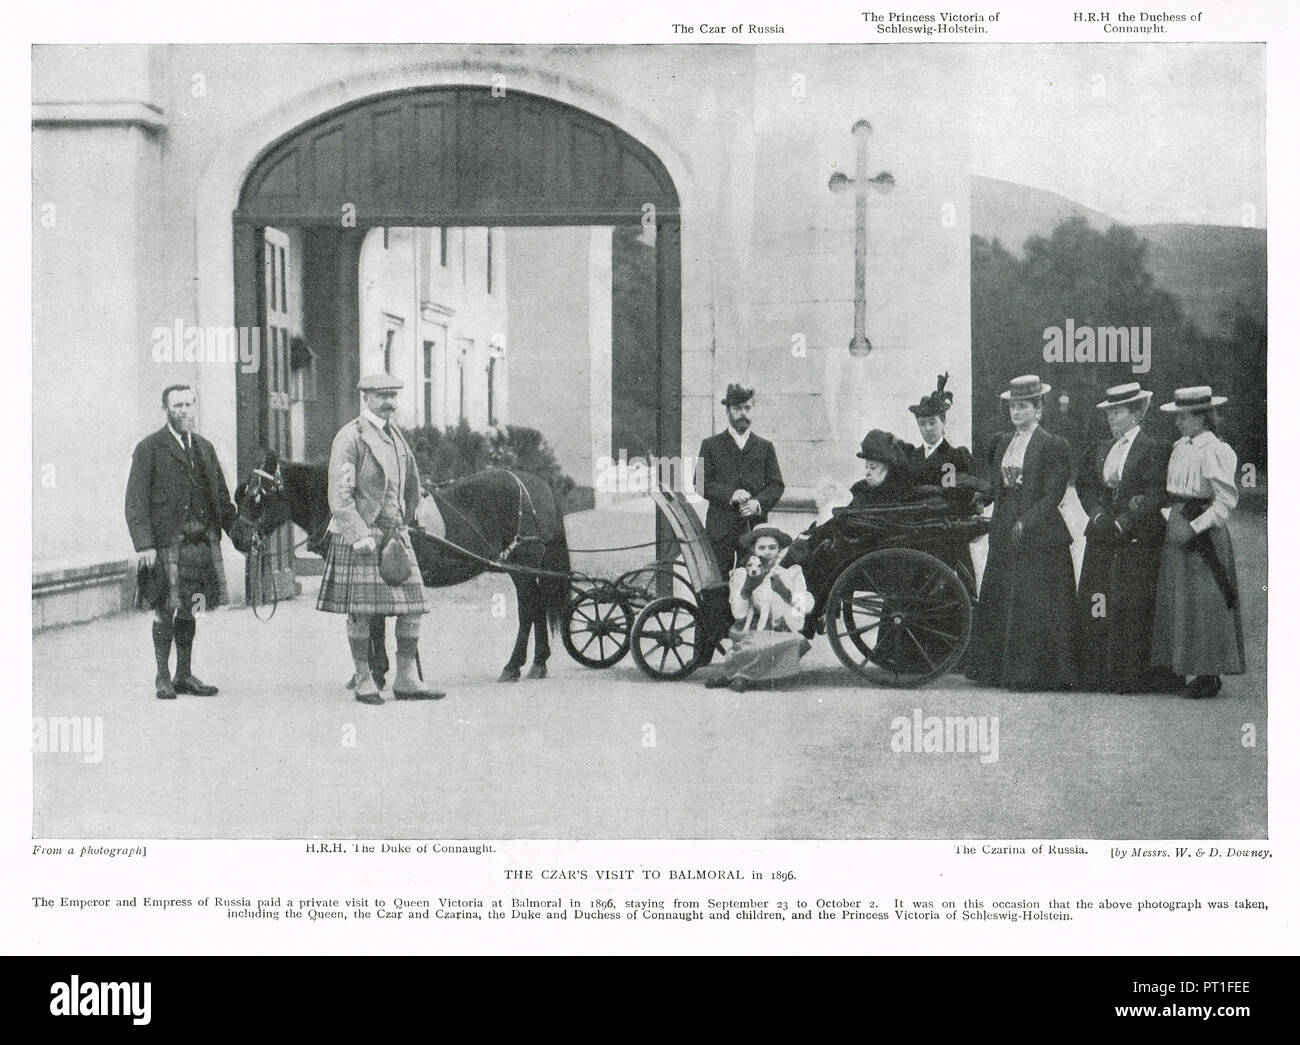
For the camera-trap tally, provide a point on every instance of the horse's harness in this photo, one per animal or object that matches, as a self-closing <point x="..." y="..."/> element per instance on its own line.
<point x="262" y="569"/>
<point x="519" y="538"/>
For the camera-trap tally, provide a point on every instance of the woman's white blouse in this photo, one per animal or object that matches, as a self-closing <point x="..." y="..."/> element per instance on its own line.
<point x="1015" y="453"/>
<point x="1203" y="466"/>
<point x="792" y="613"/>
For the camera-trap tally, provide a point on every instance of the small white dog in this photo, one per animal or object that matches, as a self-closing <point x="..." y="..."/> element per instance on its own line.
<point x="762" y="596"/>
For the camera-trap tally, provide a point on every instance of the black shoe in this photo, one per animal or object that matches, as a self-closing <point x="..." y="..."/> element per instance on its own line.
<point x="1203" y="687"/>
<point x="716" y="682"/>
<point x="370" y="698"/>
<point x="739" y="685"/>
<point x="163" y="688"/>
<point x="194" y="687"/>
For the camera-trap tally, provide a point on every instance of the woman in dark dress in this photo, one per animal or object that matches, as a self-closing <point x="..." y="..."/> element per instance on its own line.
<point x="1024" y="630"/>
<point x="950" y="469"/>
<point x="1121" y="485"/>
<point x="887" y="479"/>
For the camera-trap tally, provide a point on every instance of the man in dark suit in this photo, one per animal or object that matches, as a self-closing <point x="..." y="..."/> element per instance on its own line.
<point x="1121" y="486"/>
<point x="742" y="480"/>
<point x="177" y="504"/>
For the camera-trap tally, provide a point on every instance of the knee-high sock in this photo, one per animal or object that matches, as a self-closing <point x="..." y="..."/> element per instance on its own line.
<point x="359" y="642"/>
<point x="408" y="645"/>
<point x="162" y="645"/>
<point x="184" y="628"/>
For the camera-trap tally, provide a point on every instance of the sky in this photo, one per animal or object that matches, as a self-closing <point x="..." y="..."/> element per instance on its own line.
<point x="1143" y="133"/>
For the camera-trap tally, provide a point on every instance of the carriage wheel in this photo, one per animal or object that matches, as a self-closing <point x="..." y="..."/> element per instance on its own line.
<point x="663" y="638"/>
<point x="898" y="617"/>
<point x="597" y="628"/>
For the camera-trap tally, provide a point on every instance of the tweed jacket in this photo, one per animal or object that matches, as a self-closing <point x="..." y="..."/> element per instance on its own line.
<point x="357" y="479"/>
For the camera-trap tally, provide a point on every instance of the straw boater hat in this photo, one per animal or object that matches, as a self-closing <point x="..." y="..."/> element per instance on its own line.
<point x="1198" y="398"/>
<point x="748" y="540"/>
<point x="1031" y="386"/>
<point x="936" y="404"/>
<point x="1124" y="395"/>
<point x="736" y="394"/>
<point x="379" y="383"/>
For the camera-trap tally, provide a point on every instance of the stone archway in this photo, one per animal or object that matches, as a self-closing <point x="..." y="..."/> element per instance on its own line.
<point x="449" y="156"/>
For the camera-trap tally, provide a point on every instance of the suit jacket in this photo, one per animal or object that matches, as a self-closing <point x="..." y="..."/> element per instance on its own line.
<point x="357" y="479"/>
<point x="726" y="468"/>
<point x="158" y="489"/>
<point x="1036" y="502"/>
<point x="930" y="470"/>
<point x="1135" y="503"/>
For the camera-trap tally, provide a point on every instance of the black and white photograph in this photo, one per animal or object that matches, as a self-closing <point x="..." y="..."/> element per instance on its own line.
<point x="817" y="441"/>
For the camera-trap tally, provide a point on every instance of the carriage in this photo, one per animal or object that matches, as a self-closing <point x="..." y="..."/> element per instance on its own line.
<point x="894" y="611"/>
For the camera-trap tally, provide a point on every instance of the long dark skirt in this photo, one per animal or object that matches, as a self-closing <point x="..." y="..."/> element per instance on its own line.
<point x="1024" y="630"/>
<point x="1117" y="601"/>
<point x="1195" y="633"/>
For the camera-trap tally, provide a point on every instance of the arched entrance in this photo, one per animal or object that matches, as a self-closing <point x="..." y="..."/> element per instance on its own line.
<point x="446" y="156"/>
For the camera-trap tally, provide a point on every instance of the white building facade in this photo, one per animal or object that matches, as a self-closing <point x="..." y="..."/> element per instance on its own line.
<point x="167" y="178"/>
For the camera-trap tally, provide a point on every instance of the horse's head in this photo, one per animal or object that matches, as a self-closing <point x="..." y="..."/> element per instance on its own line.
<point x="262" y="503"/>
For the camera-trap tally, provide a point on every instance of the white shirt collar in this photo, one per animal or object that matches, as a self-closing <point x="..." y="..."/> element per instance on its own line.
<point x="1027" y="432"/>
<point x="1201" y="438"/>
<point x="1128" y="436"/>
<point x="179" y="437"/>
<point x="741" y="440"/>
<point x="374" y="419"/>
<point x="930" y="449"/>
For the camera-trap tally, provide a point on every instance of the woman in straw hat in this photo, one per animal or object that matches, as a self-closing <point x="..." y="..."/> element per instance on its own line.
<point x="1024" y="630"/>
<point x="1197" y="631"/>
<point x="769" y="601"/>
<point x="1121" y="486"/>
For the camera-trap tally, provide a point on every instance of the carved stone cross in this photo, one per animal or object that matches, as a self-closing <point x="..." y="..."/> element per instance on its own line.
<point x="840" y="182"/>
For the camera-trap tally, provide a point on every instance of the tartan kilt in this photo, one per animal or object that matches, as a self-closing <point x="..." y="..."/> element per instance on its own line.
<point x="186" y="569"/>
<point x="352" y="584"/>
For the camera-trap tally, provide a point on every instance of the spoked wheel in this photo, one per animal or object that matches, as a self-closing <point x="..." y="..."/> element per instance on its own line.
<point x="597" y="627"/>
<point x="663" y="638"/>
<point x="898" y="617"/>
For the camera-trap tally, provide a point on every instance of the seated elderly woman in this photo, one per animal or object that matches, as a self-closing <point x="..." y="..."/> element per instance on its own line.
<point x="769" y="602"/>
<point x="887" y="478"/>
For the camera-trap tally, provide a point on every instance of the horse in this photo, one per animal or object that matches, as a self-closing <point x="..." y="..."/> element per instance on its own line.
<point x="499" y="516"/>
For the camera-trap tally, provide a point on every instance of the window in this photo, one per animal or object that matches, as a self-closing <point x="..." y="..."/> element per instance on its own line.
<point x="428" y="382"/>
<point x="389" y="335"/>
<point x="492" y="388"/>
<point x="442" y="247"/>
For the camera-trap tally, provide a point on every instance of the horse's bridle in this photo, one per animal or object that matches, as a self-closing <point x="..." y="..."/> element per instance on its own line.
<point x="261" y="485"/>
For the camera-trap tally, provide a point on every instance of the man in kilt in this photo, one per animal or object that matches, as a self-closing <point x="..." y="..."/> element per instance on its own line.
<point x="374" y="491"/>
<point x="177" y="504"/>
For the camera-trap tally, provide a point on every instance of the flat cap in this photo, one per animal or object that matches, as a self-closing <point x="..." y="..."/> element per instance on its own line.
<point x="379" y="383"/>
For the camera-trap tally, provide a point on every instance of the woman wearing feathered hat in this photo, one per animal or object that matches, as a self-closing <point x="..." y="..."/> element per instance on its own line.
<point x="1121" y="486"/>
<point x="769" y="602"/>
<point x="1024" y="630"/>
<point x="1197" y="631"/>
<point x="937" y="463"/>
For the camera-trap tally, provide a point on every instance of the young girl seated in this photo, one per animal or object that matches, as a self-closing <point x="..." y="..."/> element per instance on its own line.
<point x="769" y="602"/>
